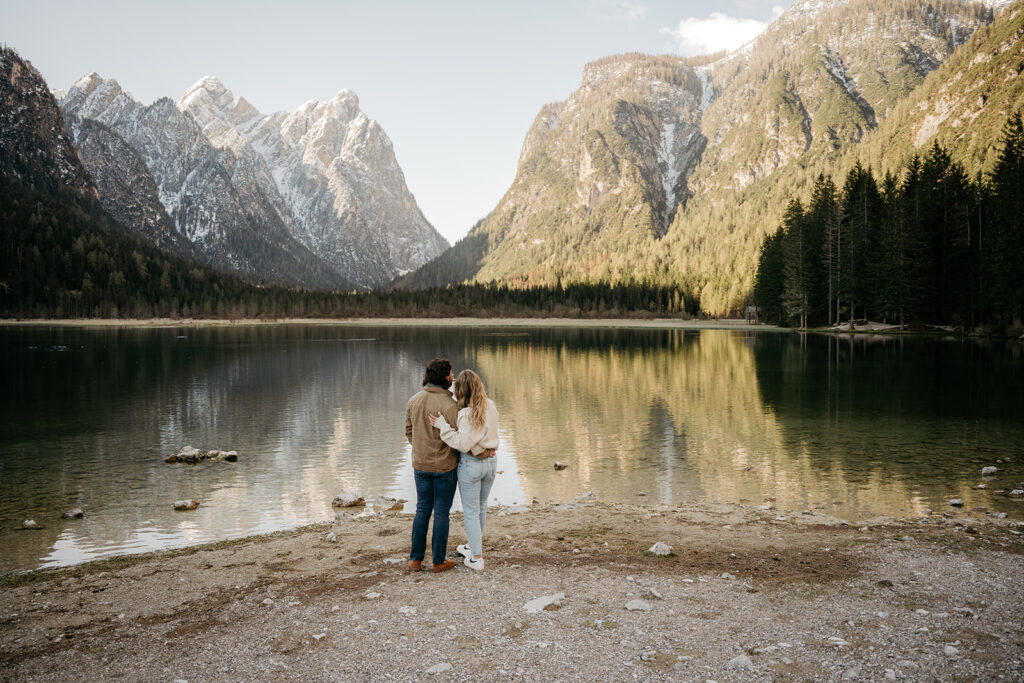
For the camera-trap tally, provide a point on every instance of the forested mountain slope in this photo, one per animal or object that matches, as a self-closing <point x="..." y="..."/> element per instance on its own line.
<point x="672" y="170"/>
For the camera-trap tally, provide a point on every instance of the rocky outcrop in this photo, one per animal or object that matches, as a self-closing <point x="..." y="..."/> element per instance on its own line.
<point x="215" y="200"/>
<point x="341" y="190"/>
<point x="33" y="146"/>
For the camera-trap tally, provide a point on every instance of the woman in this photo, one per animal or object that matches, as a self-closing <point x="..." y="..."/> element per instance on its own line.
<point x="476" y="437"/>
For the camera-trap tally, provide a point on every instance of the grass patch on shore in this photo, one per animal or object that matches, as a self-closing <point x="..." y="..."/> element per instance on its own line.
<point x="15" y="579"/>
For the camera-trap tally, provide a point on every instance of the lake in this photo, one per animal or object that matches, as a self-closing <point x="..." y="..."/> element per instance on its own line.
<point x="853" y="426"/>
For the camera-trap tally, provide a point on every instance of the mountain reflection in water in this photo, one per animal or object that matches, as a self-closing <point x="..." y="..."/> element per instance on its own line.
<point x="854" y="427"/>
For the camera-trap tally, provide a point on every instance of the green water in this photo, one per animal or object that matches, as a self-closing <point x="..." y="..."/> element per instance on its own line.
<point x="854" y="427"/>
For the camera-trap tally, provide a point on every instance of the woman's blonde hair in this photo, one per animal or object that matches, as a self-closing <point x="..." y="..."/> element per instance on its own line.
<point x="469" y="392"/>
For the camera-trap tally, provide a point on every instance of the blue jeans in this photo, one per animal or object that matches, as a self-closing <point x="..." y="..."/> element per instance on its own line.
<point x="476" y="477"/>
<point x="434" y="492"/>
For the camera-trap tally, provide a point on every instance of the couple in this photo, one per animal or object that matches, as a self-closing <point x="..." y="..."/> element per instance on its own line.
<point x="443" y="455"/>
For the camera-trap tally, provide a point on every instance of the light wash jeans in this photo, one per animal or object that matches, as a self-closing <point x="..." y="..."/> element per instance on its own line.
<point x="476" y="477"/>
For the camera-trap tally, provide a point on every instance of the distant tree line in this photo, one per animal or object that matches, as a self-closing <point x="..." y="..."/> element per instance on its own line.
<point x="63" y="257"/>
<point x="928" y="245"/>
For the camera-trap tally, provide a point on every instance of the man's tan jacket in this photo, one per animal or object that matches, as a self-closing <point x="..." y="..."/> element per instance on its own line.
<point x="429" y="453"/>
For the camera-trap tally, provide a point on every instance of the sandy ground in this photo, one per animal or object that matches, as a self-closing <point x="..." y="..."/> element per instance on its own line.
<point x="748" y="594"/>
<point x="655" y="323"/>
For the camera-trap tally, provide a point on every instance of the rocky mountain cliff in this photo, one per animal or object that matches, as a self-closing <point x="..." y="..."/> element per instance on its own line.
<point x="341" y="188"/>
<point x="314" y="197"/>
<point x="671" y="170"/>
<point x="33" y="146"/>
<point x="211" y="199"/>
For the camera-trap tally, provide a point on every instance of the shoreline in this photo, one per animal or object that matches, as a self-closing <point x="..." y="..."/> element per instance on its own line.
<point x="747" y="592"/>
<point x="637" y="323"/>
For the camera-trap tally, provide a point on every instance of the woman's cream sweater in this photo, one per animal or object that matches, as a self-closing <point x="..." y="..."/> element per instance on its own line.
<point x="470" y="439"/>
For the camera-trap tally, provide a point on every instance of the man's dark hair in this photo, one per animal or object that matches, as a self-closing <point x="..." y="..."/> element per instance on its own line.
<point x="437" y="372"/>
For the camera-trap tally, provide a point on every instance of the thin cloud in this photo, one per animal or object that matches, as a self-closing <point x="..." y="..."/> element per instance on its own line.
<point x="619" y="10"/>
<point x="697" y="36"/>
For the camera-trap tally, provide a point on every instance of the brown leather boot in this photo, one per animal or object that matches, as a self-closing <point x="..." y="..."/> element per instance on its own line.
<point x="415" y="565"/>
<point x="444" y="566"/>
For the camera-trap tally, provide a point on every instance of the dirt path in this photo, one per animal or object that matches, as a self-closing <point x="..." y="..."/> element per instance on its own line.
<point x="749" y="594"/>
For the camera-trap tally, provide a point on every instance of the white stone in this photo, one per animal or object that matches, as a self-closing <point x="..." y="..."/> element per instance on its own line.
<point x="560" y="465"/>
<point x="268" y="601"/>
<point x="439" y="668"/>
<point x="921" y="612"/>
<point x="851" y="674"/>
<point x="186" y="504"/>
<point x="319" y="636"/>
<point x="651" y="594"/>
<point x="393" y="560"/>
<point x="988" y="471"/>
<point x="407" y="610"/>
<point x="372" y="595"/>
<point x="331" y="537"/>
<point x="728" y="576"/>
<point x="890" y="674"/>
<point x="538" y="605"/>
<point x="589" y="495"/>
<point x="950" y="651"/>
<point x="335" y="608"/>
<point x="74" y="513"/>
<point x="1016" y="493"/>
<point x="660" y="548"/>
<point x="638" y="606"/>
<point x="957" y="502"/>
<point x="837" y="641"/>
<point x="30" y="524"/>
<point x="741" y="662"/>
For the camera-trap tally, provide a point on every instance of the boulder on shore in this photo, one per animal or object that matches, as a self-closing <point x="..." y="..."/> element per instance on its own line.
<point x="186" y="504"/>
<point x="348" y="500"/>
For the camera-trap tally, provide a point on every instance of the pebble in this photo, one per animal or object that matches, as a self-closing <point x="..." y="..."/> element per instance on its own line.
<point x="741" y="662"/>
<point x="660" y="548"/>
<point x="373" y="595"/>
<point x="559" y="465"/>
<point x="335" y="608"/>
<point x="638" y="606"/>
<point x="1016" y="493"/>
<point x="540" y="604"/>
<point x="728" y="576"/>
<point x="921" y="612"/>
<point x="331" y="537"/>
<point x="837" y="641"/>
<point x="988" y="471"/>
<point x="851" y="674"/>
<point x="319" y="636"/>
<point x="890" y="674"/>
<point x="30" y="524"/>
<point x="407" y="610"/>
<point x="268" y="601"/>
<point x="439" y="668"/>
<point x="74" y="513"/>
<point x="950" y="651"/>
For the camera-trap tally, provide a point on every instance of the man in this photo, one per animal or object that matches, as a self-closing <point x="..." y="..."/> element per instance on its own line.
<point x="434" y="464"/>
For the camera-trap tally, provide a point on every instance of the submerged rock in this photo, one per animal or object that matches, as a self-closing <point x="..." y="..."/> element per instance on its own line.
<point x="988" y="471"/>
<point x="186" y="504"/>
<point x="74" y="513"/>
<point x="559" y="465"/>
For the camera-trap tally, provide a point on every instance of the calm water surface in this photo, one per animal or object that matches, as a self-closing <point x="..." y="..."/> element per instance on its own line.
<point x="854" y="427"/>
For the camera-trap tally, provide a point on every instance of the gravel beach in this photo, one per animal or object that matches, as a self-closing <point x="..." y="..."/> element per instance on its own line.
<point x="746" y="593"/>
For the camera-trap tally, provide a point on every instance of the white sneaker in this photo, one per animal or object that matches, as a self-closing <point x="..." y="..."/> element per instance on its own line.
<point x="464" y="550"/>
<point x="474" y="564"/>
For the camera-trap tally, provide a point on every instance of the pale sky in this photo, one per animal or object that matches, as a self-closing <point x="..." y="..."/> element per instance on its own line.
<point x="455" y="85"/>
